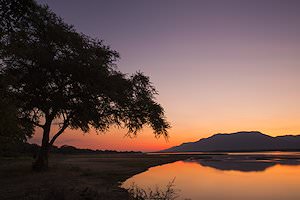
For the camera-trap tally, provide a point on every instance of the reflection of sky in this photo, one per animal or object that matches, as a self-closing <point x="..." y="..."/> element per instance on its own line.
<point x="219" y="66"/>
<point x="196" y="181"/>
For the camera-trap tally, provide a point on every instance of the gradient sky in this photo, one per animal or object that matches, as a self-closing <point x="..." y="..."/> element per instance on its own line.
<point x="219" y="66"/>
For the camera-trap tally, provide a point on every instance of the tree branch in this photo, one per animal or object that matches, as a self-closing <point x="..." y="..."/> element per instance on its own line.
<point x="63" y="128"/>
<point x="33" y="122"/>
<point x="37" y="124"/>
<point x="65" y="125"/>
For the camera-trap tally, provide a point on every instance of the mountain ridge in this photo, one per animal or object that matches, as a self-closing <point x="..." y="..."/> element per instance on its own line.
<point x="240" y="141"/>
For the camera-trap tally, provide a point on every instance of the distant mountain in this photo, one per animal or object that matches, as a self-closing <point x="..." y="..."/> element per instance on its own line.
<point x="240" y="141"/>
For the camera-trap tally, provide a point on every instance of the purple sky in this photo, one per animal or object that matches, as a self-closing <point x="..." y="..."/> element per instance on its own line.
<point x="219" y="66"/>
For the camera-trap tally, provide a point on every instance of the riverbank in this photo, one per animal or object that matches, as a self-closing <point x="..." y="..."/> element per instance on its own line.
<point x="75" y="176"/>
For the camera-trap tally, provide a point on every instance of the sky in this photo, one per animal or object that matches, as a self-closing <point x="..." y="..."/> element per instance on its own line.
<point x="219" y="66"/>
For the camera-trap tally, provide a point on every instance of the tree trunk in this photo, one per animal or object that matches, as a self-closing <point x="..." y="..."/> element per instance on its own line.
<point x="41" y="163"/>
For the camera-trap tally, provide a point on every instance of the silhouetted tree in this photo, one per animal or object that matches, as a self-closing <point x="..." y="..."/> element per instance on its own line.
<point x="66" y="77"/>
<point x="13" y="131"/>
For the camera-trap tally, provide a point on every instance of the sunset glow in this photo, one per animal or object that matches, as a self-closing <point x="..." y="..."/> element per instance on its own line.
<point x="211" y="183"/>
<point x="219" y="67"/>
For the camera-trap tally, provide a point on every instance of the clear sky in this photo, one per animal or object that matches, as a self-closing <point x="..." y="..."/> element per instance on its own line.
<point x="219" y="66"/>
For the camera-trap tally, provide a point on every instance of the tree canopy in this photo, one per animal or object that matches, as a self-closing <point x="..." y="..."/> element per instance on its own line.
<point x="58" y="74"/>
<point x="13" y="131"/>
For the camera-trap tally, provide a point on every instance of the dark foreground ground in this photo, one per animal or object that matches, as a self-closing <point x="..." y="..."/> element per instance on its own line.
<point x="98" y="177"/>
<point x="89" y="177"/>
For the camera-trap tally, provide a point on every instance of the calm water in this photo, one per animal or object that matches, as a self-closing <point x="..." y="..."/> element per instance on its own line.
<point x="228" y="178"/>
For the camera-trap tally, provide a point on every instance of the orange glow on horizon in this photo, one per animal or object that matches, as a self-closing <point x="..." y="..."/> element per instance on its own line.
<point x="115" y="139"/>
<point x="218" y="68"/>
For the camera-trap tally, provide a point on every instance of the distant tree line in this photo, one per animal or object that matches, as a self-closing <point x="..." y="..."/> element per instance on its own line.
<point x="66" y="149"/>
<point x="27" y="149"/>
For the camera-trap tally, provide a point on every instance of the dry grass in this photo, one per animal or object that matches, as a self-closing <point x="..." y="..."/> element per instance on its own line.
<point x="170" y="193"/>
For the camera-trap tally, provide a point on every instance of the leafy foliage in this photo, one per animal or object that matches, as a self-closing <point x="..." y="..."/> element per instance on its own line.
<point x="58" y="74"/>
<point x="13" y="131"/>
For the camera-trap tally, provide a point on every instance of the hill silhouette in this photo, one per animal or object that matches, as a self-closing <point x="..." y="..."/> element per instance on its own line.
<point x="240" y="141"/>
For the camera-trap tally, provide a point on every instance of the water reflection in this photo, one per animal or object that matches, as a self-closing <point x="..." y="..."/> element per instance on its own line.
<point x="235" y="178"/>
<point x="247" y="166"/>
<point x="244" y="166"/>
